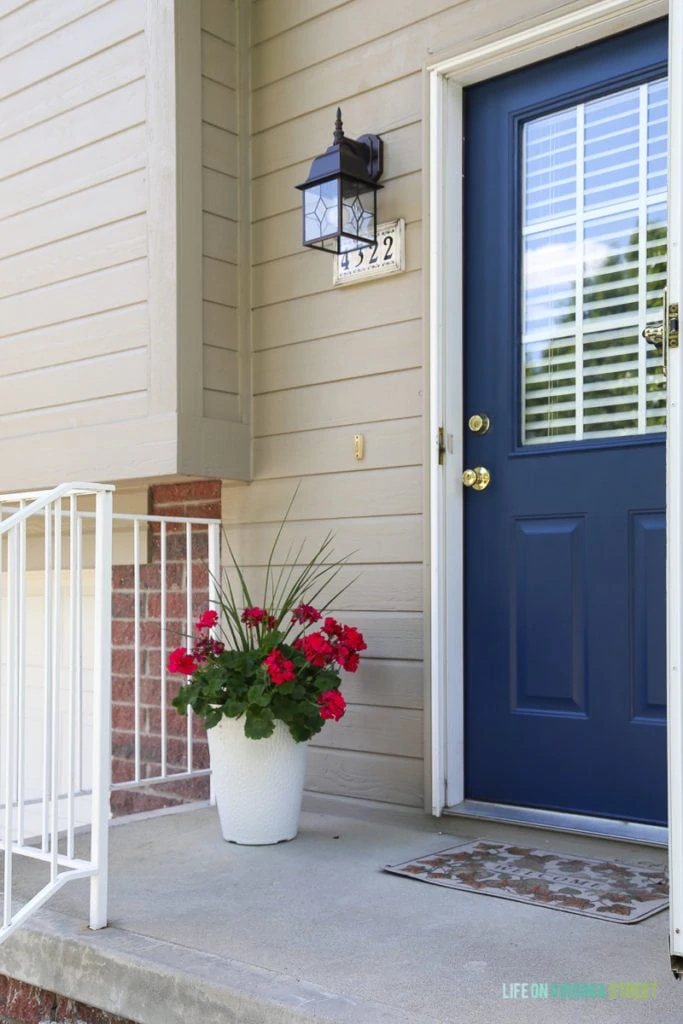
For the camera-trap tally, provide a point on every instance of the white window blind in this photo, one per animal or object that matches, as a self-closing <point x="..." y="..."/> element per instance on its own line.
<point x="594" y="267"/>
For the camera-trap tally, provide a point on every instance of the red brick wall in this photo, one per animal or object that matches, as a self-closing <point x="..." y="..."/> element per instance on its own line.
<point x="200" y="499"/>
<point x="25" y="1004"/>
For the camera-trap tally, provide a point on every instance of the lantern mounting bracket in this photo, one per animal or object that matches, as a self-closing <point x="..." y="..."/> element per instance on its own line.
<point x="374" y="159"/>
<point x="367" y="147"/>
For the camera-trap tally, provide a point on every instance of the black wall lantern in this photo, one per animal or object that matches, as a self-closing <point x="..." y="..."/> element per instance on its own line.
<point x="340" y="193"/>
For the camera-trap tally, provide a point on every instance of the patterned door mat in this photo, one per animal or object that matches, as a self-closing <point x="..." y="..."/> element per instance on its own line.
<point x="605" y="889"/>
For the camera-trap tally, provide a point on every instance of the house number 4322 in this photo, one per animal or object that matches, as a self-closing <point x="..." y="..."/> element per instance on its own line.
<point x="386" y="256"/>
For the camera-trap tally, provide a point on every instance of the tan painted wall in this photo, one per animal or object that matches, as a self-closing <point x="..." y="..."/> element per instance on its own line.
<point x="212" y="101"/>
<point x="104" y="373"/>
<point x="73" y="233"/>
<point x="220" y="208"/>
<point x="328" y="363"/>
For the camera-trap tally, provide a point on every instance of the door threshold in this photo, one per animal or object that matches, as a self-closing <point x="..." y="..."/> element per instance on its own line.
<point x="560" y="821"/>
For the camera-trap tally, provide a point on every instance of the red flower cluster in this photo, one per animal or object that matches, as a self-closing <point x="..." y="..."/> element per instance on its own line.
<point x="207" y="620"/>
<point x="333" y="642"/>
<point x="317" y="650"/>
<point x="305" y="614"/>
<point x="279" y="668"/>
<point x="350" y="643"/>
<point x="258" y="616"/>
<point x="332" y="705"/>
<point x="186" y="663"/>
<point x="182" y="662"/>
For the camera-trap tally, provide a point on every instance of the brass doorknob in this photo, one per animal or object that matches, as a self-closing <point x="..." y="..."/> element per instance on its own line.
<point x="479" y="423"/>
<point x="478" y="478"/>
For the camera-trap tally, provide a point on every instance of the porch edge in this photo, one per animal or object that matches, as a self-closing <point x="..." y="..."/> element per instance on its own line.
<point x="154" y="982"/>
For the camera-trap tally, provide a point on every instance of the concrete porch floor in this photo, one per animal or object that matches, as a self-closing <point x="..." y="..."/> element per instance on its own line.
<point x="202" y="931"/>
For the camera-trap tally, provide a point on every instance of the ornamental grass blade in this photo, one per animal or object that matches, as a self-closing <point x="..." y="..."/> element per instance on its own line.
<point x="328" y="604"/>
<point x="228" y="617"/>
<point x="321" y="580"/>
<point x="231" y="619"/>
<point x="229" y="603"/>
<point x="287" y="567"/>
<point x="312" y="569"/>
<point x="278" y="535"/>
<point x="287" y="593"/>
<point x="295" y="589"/>
<point x="285" y="586"/>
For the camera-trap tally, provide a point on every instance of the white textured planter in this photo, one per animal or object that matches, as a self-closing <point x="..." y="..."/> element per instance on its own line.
<point x="258" y="784"/>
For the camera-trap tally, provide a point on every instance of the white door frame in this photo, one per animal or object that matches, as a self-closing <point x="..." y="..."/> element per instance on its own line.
<point x="674" y="484"/>
<point x="447" y="78"/>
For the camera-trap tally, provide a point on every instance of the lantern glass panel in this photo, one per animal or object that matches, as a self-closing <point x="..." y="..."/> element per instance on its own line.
<point x="331" y="244"/>
<point x="358" y="214"/>
<point x="321" y="210"/>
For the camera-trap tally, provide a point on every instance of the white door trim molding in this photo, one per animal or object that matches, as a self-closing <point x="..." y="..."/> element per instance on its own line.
<point x="447" y="78"/>
<point x="674" y="510"/>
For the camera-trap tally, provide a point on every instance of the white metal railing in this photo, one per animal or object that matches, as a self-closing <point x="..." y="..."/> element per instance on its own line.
<point x="42" y="693"/>
<point x="196" y="595"/>
<point x="56" y="557"/>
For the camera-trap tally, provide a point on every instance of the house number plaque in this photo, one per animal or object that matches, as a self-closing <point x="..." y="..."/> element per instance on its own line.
<point x="386" y="256"/>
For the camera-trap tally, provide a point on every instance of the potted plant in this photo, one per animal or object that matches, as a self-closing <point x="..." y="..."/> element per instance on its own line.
<point x="265" y="677"/>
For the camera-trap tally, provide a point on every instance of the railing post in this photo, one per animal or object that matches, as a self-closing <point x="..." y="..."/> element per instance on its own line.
<point x="214" y="594"/>
<point x="101" y="711"/>
<point x="10" y="722"/>
<point x="214" y="564"/>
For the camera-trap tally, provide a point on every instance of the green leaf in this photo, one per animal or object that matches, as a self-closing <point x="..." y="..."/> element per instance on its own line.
<point x="180" y="702"/>
<point x="233" y="708"/>
<point x="284" y="708"/>
<point x="311" y="713"/>
<point x="258" y="694"/>
<point x="302" y="731"/>
<point x="212" y="718"/>
<point x="259" y="723"/>
<point x="286" y="689"/>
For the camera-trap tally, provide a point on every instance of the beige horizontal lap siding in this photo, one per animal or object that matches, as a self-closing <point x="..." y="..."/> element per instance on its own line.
<point x="329" y="363"/>
<point x="332" y="363"/>
<point x="73" y="229"/>
<point x="272" y="17"/>
<point x="220" y="205"/>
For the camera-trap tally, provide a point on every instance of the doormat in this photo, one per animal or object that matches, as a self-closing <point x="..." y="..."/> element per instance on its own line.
<point x="605" y="889"/>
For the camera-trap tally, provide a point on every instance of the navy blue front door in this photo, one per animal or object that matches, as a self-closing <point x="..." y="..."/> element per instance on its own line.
<point x="564" y="265"/>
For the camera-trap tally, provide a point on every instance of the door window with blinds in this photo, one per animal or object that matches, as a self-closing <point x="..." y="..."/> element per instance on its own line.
<point x="594" y="180"/>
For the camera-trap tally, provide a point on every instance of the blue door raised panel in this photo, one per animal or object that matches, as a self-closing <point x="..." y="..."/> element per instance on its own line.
<point x="564" y="263"/>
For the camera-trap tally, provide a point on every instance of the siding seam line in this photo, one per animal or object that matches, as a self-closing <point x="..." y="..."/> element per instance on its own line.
<point x="71" y="152"/>
<point x="53" y="31"/>
<point x="67" y="67"/>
